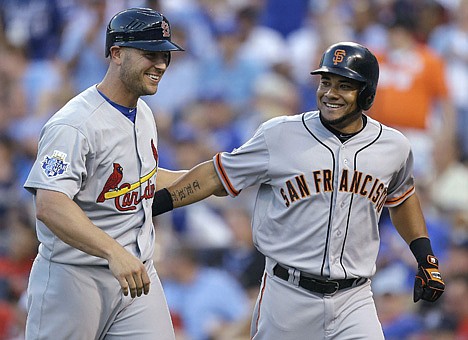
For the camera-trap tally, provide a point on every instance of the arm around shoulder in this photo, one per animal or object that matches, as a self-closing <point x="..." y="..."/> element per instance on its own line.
<point x="167" y="177"/>
<point x="199" y="183"/>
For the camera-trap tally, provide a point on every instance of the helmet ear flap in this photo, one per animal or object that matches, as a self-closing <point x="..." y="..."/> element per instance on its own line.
<point x="168" y="58"/>
<point x="365" y="98"/>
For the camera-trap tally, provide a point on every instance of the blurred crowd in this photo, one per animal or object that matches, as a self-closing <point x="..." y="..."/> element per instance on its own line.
<point x="247" y="61"/>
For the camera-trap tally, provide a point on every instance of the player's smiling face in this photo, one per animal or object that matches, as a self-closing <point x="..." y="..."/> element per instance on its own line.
<point x="337" y="100"/>
<point x="142" y="70"/>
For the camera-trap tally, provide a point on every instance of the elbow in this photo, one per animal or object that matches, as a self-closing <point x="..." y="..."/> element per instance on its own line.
<point x="220" y="192"/>
<point x="48" y="203"/>
<point x="42" y="211"/>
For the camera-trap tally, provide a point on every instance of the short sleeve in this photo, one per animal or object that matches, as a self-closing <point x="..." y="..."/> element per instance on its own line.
<point x="245" y="166"/>
<point x="60" y="163"/>
<point x="402" y="185"/>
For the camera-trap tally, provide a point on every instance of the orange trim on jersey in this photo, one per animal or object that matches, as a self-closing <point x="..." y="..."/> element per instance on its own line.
<point x="401" y="198"/>
<point x="260" y="303"/>
<point x="224" y="176"/>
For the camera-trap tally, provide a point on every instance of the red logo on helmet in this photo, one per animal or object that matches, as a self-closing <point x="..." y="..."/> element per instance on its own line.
<point x="338" y="56"/>
<point x="166" y="33"/>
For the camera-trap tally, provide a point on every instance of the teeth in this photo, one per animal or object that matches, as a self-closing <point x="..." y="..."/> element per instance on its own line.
<point x="153" y="77"/>
<point x="333" y="106"/>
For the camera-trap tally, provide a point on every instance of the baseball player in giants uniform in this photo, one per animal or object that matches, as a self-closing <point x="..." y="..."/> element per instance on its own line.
<point x="324" y="178"/>
<point x="93" y="183"/>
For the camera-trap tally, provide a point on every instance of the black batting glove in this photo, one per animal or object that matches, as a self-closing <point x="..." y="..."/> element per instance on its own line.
<point x="428" y="283"/>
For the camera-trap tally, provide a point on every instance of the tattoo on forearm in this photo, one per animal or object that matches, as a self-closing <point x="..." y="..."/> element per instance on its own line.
<point x="185" y="192"/>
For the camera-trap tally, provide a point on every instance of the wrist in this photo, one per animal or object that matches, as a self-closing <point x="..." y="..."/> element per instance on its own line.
<point x="422" y="251"/>
<point x="162" y="202"/>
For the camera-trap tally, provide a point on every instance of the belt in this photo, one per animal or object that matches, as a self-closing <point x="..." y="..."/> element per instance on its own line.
<point x="328" y="287"/>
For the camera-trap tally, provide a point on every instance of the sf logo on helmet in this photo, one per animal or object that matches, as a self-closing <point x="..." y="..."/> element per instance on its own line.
<point x="338" y="56"/>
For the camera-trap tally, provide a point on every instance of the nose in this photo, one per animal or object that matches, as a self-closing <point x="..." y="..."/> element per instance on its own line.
<point x="332" y="92"/>
<point x="161" y="63"/>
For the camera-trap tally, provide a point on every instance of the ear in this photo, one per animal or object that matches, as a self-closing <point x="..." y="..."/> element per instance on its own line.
<point x="116" y="54"/>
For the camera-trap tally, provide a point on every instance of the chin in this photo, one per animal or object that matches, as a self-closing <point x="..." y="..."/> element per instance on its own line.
<point x="332" y="116"/>
<point x="151" y="91"/>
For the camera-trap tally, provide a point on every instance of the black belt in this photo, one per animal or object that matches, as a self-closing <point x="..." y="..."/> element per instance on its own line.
<point x="328" y="287"/>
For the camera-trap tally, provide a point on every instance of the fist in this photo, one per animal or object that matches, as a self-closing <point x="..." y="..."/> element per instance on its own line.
<point x="428" y="284"/>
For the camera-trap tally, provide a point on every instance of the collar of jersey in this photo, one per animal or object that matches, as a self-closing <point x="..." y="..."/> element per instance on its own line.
<point x="129" y="112"/>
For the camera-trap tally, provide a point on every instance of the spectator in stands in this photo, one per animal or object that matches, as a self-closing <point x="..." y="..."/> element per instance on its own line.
<point x="284" y="16"/>
<point x="180" y="87"/>
<point x="204" y="299"/>
<point x="392" y="295"/>
<point x="451" y="42"/>
<point x="242" y="259"/>
<point x="261" y="43"/>
<point x="80" y="50"/>
<point x="366" y="29"/>
<point x="229" y="73"/>
<point x="35" y="27"/>
<point x="412" y="95"/>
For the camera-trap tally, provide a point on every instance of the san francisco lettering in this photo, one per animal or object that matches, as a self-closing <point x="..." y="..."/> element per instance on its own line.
<point x="355" y="182"/>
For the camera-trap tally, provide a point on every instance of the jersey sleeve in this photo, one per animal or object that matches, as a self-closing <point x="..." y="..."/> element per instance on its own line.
<point x="244" y="166"/>
<point x="402" y="185"/>
<point x="60" y="164"/>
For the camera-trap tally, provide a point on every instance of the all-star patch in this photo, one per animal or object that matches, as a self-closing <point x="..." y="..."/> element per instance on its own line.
<point x="55" y="165"/>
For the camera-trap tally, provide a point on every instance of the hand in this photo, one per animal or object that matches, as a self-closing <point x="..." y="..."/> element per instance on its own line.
<point x="428" y="284"/>
<point x="130" y="272"/>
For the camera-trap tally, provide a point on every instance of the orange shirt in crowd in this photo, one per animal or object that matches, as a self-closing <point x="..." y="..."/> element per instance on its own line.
<point x="409" y="82"/>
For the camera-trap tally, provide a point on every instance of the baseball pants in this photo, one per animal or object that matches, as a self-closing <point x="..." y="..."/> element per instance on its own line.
<point x="69" y="302"/>
<point x="284" y="311"/>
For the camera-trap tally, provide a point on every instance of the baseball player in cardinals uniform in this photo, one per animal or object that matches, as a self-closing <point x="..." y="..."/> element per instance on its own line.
<point x="324" y="177"/>
<point x="93" y="184"/>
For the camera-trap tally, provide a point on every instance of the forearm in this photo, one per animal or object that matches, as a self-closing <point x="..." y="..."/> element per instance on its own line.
<point x="69" y="223"/>
<point x="166" y="177"/>
<point x="408" y="219"/>
<point x="199" y="183"/>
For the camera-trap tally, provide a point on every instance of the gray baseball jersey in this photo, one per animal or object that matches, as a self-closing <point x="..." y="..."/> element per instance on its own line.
<point x="96" y="156"/>
<point x="320" y="200"/>
<point x="317" y="211"/>
<point x="93" y="154"/>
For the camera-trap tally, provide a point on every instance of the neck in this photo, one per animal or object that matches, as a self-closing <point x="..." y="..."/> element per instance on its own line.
<point x="348" y="124"/>
<point x="345" y="134"/>
<point x="115" y="90"/>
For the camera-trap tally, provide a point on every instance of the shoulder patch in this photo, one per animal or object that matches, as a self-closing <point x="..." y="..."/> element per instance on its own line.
<point x="55" y="165"/>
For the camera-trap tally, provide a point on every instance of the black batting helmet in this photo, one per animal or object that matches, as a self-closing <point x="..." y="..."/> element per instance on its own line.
<point x="354" y="61"/>
<point x="141" y="28"/>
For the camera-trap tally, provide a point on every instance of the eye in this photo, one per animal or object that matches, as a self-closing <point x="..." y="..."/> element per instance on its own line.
<point x="157" y="56"/>
<point x="348" y="87"/>
<point x="150" y="56"/>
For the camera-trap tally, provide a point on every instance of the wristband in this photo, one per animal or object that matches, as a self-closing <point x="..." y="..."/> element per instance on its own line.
<point x="162" y="202"/>
<point x="422" y="251"/>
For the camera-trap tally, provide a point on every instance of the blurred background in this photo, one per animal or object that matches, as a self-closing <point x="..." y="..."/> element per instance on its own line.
<point x="247" y="61"/>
